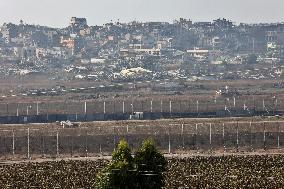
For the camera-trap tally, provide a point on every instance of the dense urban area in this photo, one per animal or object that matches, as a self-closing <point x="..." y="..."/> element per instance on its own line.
<point x="94" y="62"/>
<point x="119" y="51"/>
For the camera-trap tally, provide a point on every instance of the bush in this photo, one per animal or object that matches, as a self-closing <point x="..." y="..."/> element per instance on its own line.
<point x="125" y="172"/>
<point x="150" y="164"/>
<point x="119" y="172"/>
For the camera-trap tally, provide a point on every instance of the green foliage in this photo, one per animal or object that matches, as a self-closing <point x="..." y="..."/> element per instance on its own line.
<point x="103" y="179"/>
<point x="123" y="153"/>
<point x="125" y="172"/>
<point x="150" y="165"/>
<point x="118" y="174"/>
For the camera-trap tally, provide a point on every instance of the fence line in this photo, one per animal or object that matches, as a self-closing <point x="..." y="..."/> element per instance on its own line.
<point x="223" y="105"/>
<point x="172" y="138"/>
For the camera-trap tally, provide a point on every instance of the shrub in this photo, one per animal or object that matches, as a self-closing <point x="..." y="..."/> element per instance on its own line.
<point x="118" y="174"/>
<point x="150" y="164"/>
<point x="125" y="172"/>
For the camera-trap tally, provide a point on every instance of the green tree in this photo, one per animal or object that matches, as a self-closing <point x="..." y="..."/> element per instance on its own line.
<point x="144" y="171"/>
<point x="150" y="164"/>
<point x="119" y="172"/>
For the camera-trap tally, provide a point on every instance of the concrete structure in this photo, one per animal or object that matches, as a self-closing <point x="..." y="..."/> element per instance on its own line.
<point x="78" y="22"/>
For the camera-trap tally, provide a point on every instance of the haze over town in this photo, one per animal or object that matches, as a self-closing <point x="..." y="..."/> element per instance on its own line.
<point x="56" y="13"/>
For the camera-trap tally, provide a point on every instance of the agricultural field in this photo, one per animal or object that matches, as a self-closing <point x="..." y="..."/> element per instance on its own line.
<point x="254" y="171"/>
<point x="226" y="172"/>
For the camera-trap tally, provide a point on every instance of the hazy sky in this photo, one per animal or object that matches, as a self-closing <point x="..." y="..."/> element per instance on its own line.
<point x="58" y="12"/>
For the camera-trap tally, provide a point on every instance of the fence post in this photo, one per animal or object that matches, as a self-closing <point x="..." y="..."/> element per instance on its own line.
<point x="250" y="127"/>
<point x="4" y="145"/>
<point x="100" y="142"/>
<point x="57" y="144"/>
<point x="114" y="140"/>
<point x="264" y="137"/>
<point x="72" y="143"/>
<point x="28" y="143"/>
<point x="104" y="107"/>
<point x="170" y="107"/>
<point x="195" y="137"/>
<point x="263" y="105"/>
<point x="17" y="110"/>
<point x="182" y="130"/>
<point x="47" y="112"/>
<point x="197" y="106"/>
<point x="278" y="136"/>
<point x="13" y="145"/>
<point x="42" y="145"/>
<point x="142" y="106"/>
<point x="132" y="107"/>
<point x="161" y="106"/>
<point x="237" y="136"/>
<point x="151" y="106"/>
<point x="114" y="107"/>
<point x="210" y="136"/>
<point x="223" y="136"/>
<point x="86" y="143"/>
<point x="37" y="110"/>
<point x="169" y="138"/>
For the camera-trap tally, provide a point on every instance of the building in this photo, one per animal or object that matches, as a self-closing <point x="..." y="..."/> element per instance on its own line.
<point x="78" y="22"/>
<point x="68" y="42"/>
<point x="134" y="52"/>
<point x="198" y="53"/>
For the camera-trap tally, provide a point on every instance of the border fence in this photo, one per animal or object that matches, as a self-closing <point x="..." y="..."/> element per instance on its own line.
<point x="172" y="138"/>
<point x="40" y="112"/>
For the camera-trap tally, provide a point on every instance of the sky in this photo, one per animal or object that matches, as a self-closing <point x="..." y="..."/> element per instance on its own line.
<point x="57" y="13"/>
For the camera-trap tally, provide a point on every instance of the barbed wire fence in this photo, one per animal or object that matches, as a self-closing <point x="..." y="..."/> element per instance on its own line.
<point x="180" y="138"/>
<point x="267" y="105"/>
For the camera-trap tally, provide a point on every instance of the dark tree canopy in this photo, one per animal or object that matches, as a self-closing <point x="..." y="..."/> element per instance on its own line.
<point x="125" y="172"/>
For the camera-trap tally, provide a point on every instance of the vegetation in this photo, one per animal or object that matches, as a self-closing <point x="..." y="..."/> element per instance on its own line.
<point x="118" y="173"/>
<point x="150" y="165"/>
<point x="142" y="171"/>
<point x="55" y="174"/>
<point x="196" y="172"/>
<point x="226" y="172"/>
